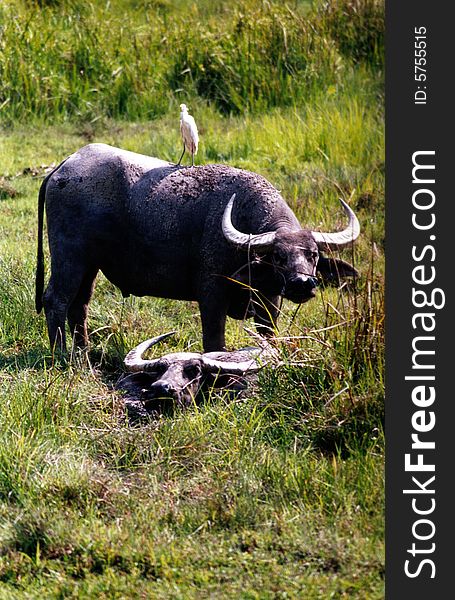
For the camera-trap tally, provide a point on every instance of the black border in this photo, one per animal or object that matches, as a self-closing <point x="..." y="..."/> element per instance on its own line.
<point x="410" y="128"/>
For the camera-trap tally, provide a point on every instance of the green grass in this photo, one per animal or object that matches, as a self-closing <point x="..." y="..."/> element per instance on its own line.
<point x="139" y="58"/>
<point x="279" y="493"/>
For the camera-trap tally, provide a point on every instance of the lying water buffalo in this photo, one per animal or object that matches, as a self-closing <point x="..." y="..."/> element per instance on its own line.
<point x="213" y="233"/>
<point x="179" y="376"/>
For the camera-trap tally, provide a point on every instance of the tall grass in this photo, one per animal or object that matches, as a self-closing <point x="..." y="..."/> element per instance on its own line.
<point x="90" y="59"/>
<point x="357" y="27"/>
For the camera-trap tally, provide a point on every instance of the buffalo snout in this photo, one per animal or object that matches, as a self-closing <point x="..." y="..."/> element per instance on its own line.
<point x="300" y="289"/>
<point x="180" y="392"/>
<point x="162" y="389"/>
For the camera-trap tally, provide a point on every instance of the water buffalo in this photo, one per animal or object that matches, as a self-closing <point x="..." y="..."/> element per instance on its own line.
<point x="179" y="376"/>
<point x="215" y="234"/>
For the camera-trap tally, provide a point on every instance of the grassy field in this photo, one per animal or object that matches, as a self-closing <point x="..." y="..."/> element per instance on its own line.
<point x="278" y="493"/>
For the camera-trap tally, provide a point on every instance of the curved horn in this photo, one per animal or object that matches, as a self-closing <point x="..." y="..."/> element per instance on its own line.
<point x="330" y="241"/>
<point x="259" y="241"/>
<point x="239" y="361"/>
<point x="134" y="361"/>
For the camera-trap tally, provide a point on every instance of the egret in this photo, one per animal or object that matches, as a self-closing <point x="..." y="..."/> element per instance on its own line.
<point x="189" y="133"/>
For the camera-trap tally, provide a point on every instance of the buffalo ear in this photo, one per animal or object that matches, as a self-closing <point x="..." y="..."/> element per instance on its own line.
<point x="332" y="270"/>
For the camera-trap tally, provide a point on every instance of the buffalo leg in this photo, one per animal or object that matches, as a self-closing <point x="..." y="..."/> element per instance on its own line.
<point x="213" y="316"/>
<point x="57" y="298"/>
<point x="55" y="307"/>
<point x="77" y="311"/>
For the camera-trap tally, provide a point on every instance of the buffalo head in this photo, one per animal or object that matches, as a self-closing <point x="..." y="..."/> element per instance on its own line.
<point x="179" y="376"/>
<point x="295" y="255"/>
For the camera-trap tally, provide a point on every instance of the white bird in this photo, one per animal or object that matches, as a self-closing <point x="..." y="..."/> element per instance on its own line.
<point x="189" y="133"/>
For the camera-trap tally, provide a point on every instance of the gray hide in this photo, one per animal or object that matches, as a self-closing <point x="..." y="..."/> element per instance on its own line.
<point x="157" y="229"/>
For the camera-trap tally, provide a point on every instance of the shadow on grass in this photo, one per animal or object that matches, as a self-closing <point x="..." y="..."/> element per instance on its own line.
<point x="37" y="358"/>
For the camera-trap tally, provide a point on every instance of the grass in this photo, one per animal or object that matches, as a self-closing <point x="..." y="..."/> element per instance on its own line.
<point x="137" y="58"/>
<point x="279" y="493"/>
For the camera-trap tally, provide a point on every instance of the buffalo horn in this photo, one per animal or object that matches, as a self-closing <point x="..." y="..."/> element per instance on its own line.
<point x="258" y="241"/>
<point x="134" y="361"/>
<point x="330" y="241"/>
<point x="238" y="362"/>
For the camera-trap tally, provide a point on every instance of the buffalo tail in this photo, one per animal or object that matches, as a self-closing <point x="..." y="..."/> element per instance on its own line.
<point x="39" y="274"/>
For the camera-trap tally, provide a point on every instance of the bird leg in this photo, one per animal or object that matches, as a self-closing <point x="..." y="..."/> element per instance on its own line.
<point x="192" y="159"/>
<point x="178" y="164"/>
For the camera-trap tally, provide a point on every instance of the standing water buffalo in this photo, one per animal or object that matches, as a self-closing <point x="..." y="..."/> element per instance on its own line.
<point x="215" y="234"/>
